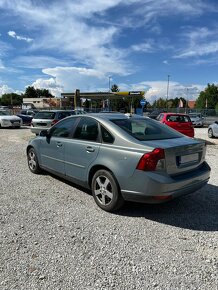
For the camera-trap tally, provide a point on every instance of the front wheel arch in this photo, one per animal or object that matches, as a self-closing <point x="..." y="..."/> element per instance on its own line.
<point x="32" y="160"/>
<point x="210" y="133"/>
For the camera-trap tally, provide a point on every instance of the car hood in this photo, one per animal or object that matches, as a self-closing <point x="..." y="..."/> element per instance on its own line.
<point x="12" y="117"/>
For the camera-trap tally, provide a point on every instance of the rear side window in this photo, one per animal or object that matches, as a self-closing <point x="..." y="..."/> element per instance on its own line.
<point x="45" y="115"/>
<point x="106" y="136"/>
<point x="146" y="129"/>
<point x="62" y="115"/>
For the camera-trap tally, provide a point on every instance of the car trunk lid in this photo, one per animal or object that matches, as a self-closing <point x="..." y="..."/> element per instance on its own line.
<point x="181" y="154"/>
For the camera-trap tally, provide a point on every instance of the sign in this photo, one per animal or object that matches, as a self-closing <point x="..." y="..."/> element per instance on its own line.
<point x="135" y="93"/>
<point x="142" y="102"/>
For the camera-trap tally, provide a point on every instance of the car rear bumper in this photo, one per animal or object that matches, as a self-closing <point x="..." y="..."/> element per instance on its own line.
<point x="157" y="188"/>
<point x="37" y="130"/>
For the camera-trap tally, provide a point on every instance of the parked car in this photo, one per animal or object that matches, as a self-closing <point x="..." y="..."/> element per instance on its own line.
<point x="78" y="112"/>
<point x="121" y="158"/>
<point x="154" y="114"/>
<point x="197" y="119"/>
<point x="9" y="121"/>
<point x="27" y="115"/>
<point x="213" y="130"/>
<point x="179" y="122"/>
<point x="47" y="118"/>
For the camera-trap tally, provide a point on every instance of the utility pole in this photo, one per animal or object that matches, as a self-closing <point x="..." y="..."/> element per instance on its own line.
<point x="109" y="90"/>
<point x="168" y="81"/>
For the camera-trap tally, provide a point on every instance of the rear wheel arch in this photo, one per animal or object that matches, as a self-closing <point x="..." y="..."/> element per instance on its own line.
<point x="106" y="190"/>
<point x="94" y="169"/>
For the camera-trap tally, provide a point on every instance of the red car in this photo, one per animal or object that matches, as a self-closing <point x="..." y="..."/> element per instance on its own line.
<point x="179" y="122"/>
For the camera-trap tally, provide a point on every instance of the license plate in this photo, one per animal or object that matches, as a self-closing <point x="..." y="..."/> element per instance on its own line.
<point x="16" y="124"/>
<point x="189" y="158"/>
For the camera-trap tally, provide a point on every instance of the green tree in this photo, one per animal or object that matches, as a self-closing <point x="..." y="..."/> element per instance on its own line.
<point x="31" y="92"/>
<point x="115" y="88"/>
<point x="208" y="98"/>
<point x="11" y="99"/>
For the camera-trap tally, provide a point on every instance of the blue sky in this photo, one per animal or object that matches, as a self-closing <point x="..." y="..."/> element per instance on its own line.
<point x="137" y="44"/>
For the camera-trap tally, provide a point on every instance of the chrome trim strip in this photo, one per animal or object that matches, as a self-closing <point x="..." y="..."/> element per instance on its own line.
<point x="65" y="162"/>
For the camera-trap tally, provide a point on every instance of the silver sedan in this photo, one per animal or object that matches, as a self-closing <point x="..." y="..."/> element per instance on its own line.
<point x="213" y="130"/>
<point x="121" y="158"/>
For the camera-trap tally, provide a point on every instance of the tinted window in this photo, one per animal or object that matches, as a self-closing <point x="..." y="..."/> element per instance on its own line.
<point x="146" y="129"/>
<point x="62" y="115"/>
<point x="45" y="115"/>
<point x="160" y="117"/>
<point x="106" y="136"/>
<point x="63" y="129"/>
<point x="176" y="118"/>
<point x="87" y="129"/>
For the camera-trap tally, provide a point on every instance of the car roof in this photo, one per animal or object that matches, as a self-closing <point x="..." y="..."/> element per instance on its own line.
<point x="56" y="111"/>
<point x="175" y="114"/>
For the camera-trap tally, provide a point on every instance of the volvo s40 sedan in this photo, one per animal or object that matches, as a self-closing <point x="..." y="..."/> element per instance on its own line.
<point x="121" y="158"/>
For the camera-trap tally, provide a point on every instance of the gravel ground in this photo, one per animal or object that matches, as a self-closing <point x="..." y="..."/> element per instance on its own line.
<point x="53" y="236"/>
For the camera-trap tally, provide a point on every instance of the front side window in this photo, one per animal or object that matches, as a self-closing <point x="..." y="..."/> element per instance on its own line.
<point x="160" y="117"/>
<point x="87" y="129"/>
<point x="64" y="128"/>
<point x="146" y="129"/>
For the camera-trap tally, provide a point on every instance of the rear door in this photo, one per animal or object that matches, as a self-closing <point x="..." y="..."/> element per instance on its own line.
<point x="82" y="150"/>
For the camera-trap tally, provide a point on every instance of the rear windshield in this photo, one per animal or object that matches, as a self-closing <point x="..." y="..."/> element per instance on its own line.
<point x="4" y="113"/>
<point x="146" y="129"/>
<point x="45" y="115"/>
<point x="180" y="118"/>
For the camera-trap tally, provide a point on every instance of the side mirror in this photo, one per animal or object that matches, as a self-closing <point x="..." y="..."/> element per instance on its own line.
<point x="44" y="133"/>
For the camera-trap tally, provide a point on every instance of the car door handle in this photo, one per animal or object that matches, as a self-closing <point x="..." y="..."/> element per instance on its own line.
<point x="90" y="149"/>
<point x="59" y="144"/>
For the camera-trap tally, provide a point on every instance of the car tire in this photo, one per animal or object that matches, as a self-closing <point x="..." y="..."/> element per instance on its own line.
<point x="105" y="190"/>
<point x="33" y="163"/>
<point x="210" y="133"/>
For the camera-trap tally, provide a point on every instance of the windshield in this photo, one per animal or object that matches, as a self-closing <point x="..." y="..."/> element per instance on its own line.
<point x="4" y="113"/>
<point x="45" y="115"/>
<point x="146" y="129"/>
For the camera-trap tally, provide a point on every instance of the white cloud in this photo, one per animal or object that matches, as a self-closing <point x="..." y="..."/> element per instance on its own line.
<point x="1" y="65"/>
<point x="199" y="42"/>
<point x="158" y="89"/>
<point x="72" y="78"/>
<point x="18" y="37"/>
<point x="143" y="47"/>
<point x="38" y="61"/>
<point x="4" y="89"/>
<point x="49" y="84"/>
<point x="176" y="90"/>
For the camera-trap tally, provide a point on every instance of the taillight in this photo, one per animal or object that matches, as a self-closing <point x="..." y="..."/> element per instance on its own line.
<point x="148" y="161"/>
<point x="54" y="122"/>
